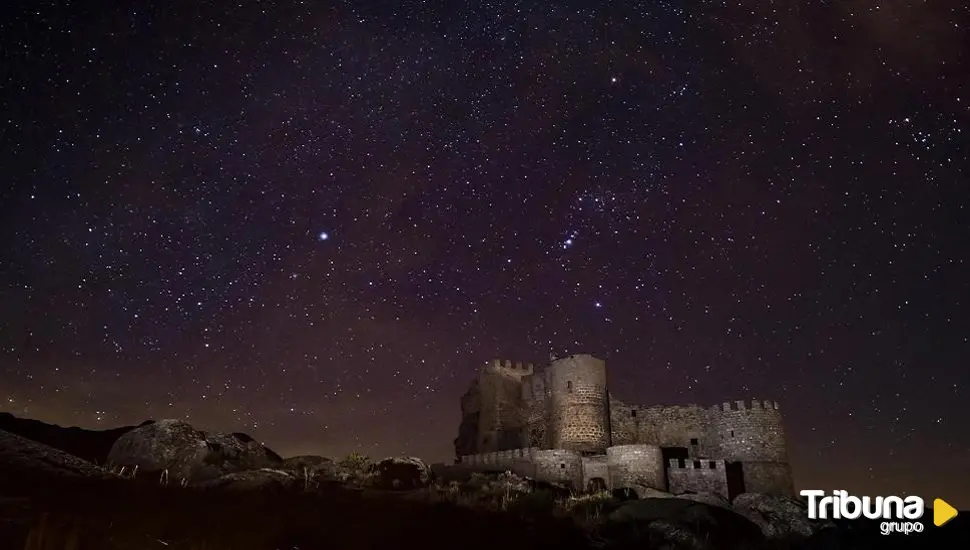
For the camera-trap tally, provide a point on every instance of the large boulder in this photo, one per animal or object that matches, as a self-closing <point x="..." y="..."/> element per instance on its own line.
<point x="188" y="454"/>
<point x="264" y="479"/>
<point x="402" y="473"/>
<point x="779" y="517"/>
<point x="318" y="469"/>
<point x="308" y="462"/>
<point x="711" y="499"/>
<point x="677" y="523"/>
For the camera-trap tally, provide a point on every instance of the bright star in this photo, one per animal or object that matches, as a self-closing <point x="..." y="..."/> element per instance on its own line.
<point x="324" y="235"/>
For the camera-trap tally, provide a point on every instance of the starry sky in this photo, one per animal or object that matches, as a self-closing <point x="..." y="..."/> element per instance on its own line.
<point x="314" y="221"/>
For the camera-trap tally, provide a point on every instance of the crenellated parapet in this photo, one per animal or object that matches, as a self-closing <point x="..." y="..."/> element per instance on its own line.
<point x="741" y="405"/>
<point x="498" y="460"/>
<point x="699" y="476"/>
<point x="750" y="430"/>
<point x="695" y="464"/>
<point x="506" y="366"/>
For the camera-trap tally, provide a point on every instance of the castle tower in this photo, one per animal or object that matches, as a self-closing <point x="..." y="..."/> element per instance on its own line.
<point x="749" y="431"/>
<point x="752" y="434"/>
<point x="579" y="406"/>
<point x="501" y="417"/>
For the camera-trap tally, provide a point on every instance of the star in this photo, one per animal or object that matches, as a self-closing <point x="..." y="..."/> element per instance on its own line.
<point x="310" y="220"/>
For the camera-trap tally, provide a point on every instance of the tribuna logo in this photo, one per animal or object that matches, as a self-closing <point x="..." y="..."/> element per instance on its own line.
<point x="899" y="514"/>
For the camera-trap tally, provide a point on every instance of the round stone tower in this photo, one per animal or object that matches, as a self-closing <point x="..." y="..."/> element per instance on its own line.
<point x="579" y="415"/>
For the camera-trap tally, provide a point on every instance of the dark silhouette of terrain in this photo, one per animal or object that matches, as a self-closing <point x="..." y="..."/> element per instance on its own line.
<point x="90" y="445"/>
<point x="121" y="514"/>
<point x="51" y="499"/>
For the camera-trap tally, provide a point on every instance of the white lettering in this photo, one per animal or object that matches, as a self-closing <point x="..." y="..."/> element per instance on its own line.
<point x="851" y="506"/>
<point x="812" y="505"/>
<point x="893" y="510"/>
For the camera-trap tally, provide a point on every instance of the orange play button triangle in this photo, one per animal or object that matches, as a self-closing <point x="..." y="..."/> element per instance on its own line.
<point x="942" y="512"/>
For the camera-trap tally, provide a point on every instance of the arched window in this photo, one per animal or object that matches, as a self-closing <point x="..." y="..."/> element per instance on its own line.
<point x="569" y="386"/>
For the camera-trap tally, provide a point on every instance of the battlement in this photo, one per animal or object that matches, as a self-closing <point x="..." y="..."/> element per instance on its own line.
<point x="501" y="460"/>
<point x="517" y="367"/>
<point x="741" y="405"/>
<point x="695" y="464"/>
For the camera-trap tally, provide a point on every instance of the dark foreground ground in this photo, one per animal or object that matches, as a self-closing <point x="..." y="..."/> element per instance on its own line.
<point x="127" y="515"/>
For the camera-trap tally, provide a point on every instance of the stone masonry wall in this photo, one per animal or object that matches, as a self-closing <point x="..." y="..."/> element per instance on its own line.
<point x="698" y="476"/>
<point x="553" y="466"/>
<point x="749" y="431"/>
<point x="624" y="423"/>
<point x="468" y="438"/>
<point x="596" y="468"/>
<point x="631" y="465"/>
<point x="579" y="412"/>
<point x="566" y="406"/>
<point x="498" y="461"/>
<point x="537" y="410"/>
<point x="684" y="426"/>
<point x="559" y="466"/>
<point x="502" y="417"/>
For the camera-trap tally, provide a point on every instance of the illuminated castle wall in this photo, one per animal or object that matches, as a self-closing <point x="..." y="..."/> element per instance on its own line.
<point x="559" y="423"/>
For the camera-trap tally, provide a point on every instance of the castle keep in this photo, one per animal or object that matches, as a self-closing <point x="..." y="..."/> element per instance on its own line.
<point x="559" y="423"/>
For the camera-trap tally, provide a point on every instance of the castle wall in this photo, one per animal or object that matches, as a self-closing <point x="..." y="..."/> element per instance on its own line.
<point x="624" y="423"/>
<point x="771" y="478"/>
<point x="468" y="437"/>
<point x="749" y="431"/>
<point x="559" y="466"/>
<point x="525" y="468"/>
<point x="683" y="426"/>
<point x="502" y="417"/>
<point x="631" y="465"/>
<point x="498" y="461"/>
<point x="698" y="476"/>
<point x="579" y="409"/>
<point x="537" y="410"/>
<point x="538" y="423"/>
<point x="596" y="468"/>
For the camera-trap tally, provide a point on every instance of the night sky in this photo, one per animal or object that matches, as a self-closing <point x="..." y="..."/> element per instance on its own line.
<point x="313" y="222"/>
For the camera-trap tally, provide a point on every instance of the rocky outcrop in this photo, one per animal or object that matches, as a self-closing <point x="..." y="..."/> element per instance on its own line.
<point x="402" y="473"/>
<point x="636" y="492"/>
<point x="310" y="462"/>
<point x="318" y="468"/>
<point x="677" y="523"/>
<point x="90" y="445"/>
<point x="189" y="454"/>
<point x="27" y="464"/>
<point x="779" y="517"/>
<point x="264" y="479"/>
<point x="711" y="499"/>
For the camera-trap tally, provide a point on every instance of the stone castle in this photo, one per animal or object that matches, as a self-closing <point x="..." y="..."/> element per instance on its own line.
<point x="559" y="423"/>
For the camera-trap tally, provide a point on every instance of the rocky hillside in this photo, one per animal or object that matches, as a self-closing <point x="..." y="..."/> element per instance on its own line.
<point x="91" y="445"/>
<point x="174" y="486"/>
